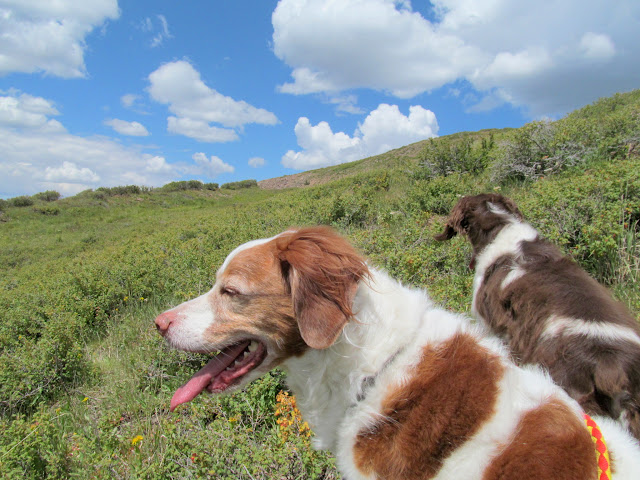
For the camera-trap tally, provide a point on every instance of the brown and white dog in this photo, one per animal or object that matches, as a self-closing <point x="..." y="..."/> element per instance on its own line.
<point x="549" y="310"/>
<point x="396" y="387"/>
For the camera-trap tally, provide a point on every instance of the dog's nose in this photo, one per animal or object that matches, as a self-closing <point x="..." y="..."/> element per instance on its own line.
<point x="164" y="320"/>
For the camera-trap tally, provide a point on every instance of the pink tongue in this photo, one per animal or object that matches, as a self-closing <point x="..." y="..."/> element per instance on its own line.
<point x="203" y="377"/>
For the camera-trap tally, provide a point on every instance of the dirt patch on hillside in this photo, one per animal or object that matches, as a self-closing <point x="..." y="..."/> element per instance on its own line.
<point x="328" y="174"/>
<point x="290" y="181"/>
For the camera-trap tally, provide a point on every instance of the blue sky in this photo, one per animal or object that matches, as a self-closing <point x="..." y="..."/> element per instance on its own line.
<point x="118" y="92"/>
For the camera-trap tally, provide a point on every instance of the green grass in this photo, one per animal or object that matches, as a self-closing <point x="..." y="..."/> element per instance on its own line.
<point x="85" y="381"/>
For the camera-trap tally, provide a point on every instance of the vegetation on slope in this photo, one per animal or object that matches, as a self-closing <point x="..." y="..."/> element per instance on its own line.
<point x="85" y="380"/>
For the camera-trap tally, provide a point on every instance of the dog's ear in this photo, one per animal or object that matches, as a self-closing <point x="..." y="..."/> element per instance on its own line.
<point x="322" y="271"/>
<point x="448" y="233"/>
<point x="511" y="206"/>
<point x="506" y="204"/>
<point x="457" y="221"/>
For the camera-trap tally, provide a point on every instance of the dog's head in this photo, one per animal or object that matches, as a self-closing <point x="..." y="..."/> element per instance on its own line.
<point x="480" y="218"/>
<point x="272" y="299"/>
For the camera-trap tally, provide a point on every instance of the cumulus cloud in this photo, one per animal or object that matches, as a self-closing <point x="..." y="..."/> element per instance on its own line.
<point x="257" y="162"/>
<point x="212" y="166"/>
<point x="20" y="110"/>
<point x="134" y="129"/>
<point x="383" y="129"/>
<point x="39" y="154"/>
<point x="195" y="106"/>
<point x="70" y="172"/>
<point x="523" y="53"/>
<point x="49" y="37"/>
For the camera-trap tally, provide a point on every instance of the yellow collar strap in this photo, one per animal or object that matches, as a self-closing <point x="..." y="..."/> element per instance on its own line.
<point x="602" y="453"/>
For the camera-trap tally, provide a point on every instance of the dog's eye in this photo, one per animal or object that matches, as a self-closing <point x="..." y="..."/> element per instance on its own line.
<point x="229" y="291"/>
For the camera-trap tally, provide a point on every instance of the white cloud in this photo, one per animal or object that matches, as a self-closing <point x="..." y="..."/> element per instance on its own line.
<point x="25" y="111"/>
<point x="196" y="106"/>
<point x="597" y="46"/>
<point x="257" y="162"/>
<point x="47" y="36"/>
<point x="213" y="166"/>
<point x="129" y="100"/>
<point x="383" y="129"/>
<point x="200" y="130"/>
<point x="346" y="104"/>
<point x="123" y="127"/>
<point x="69" y="172"/>
<point x="39" y="154"/>
<point x="159" y="164"/>
<point x="546" y="56"/>
<point x="357" y="43"/>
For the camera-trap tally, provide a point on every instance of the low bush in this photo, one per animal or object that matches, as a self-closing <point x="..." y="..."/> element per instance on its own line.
<point x="188" y="185"/>
<point x="47" y="210"/>
<point x="48" y="196"/>
<point x="122" y="190"/>
<point x="442" y="157"/>
<point x="22" y="201"/>
<point x="240" y="184"/>
<point x="537" y="150"/>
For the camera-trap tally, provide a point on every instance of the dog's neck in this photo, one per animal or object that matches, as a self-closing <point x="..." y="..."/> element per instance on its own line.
<point x="327" y="383"/>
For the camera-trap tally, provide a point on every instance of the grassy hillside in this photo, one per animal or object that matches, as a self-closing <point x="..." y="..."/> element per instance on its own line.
<point x="85" y="380"/>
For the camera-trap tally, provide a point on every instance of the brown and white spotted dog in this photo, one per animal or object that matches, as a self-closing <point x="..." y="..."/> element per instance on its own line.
<point x="549" y="310"/>
<point x="397" y="388"/>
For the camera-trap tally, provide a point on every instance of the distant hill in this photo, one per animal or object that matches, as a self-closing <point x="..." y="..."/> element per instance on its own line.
<point x="407" y="155"/>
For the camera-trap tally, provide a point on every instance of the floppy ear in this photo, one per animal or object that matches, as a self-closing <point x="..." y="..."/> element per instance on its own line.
<point x="322" y="271"/>
<point x="448" y="234"/>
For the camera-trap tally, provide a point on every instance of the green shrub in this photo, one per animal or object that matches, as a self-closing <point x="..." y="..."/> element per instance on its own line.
<point x="537" y="150"/>
<point x="48" y="196"/>
<point x="240" y="184"/>
<point x="22" y="201"/>
<point x="123" y="190"/>
<point x="47" y="210"/>
<point x="439" y="195"/>
<point x="444" y="156"/>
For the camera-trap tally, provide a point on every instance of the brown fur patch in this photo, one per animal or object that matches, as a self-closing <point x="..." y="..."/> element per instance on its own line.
<point x="322" y="271"/>
<point x="451" y="394"/>
<point x="550" y="443"/>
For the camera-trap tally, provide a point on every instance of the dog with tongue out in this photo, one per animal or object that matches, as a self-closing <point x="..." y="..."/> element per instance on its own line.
<point x="273" y="300"/>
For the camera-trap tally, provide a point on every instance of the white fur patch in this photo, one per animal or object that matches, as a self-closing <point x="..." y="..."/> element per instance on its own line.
<point x="512" y="276"/>
<point x="245" y="246"/>
<point x="193" y="319"/>
<point x="556" y="326"/>
<point x="507" y="242"/>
